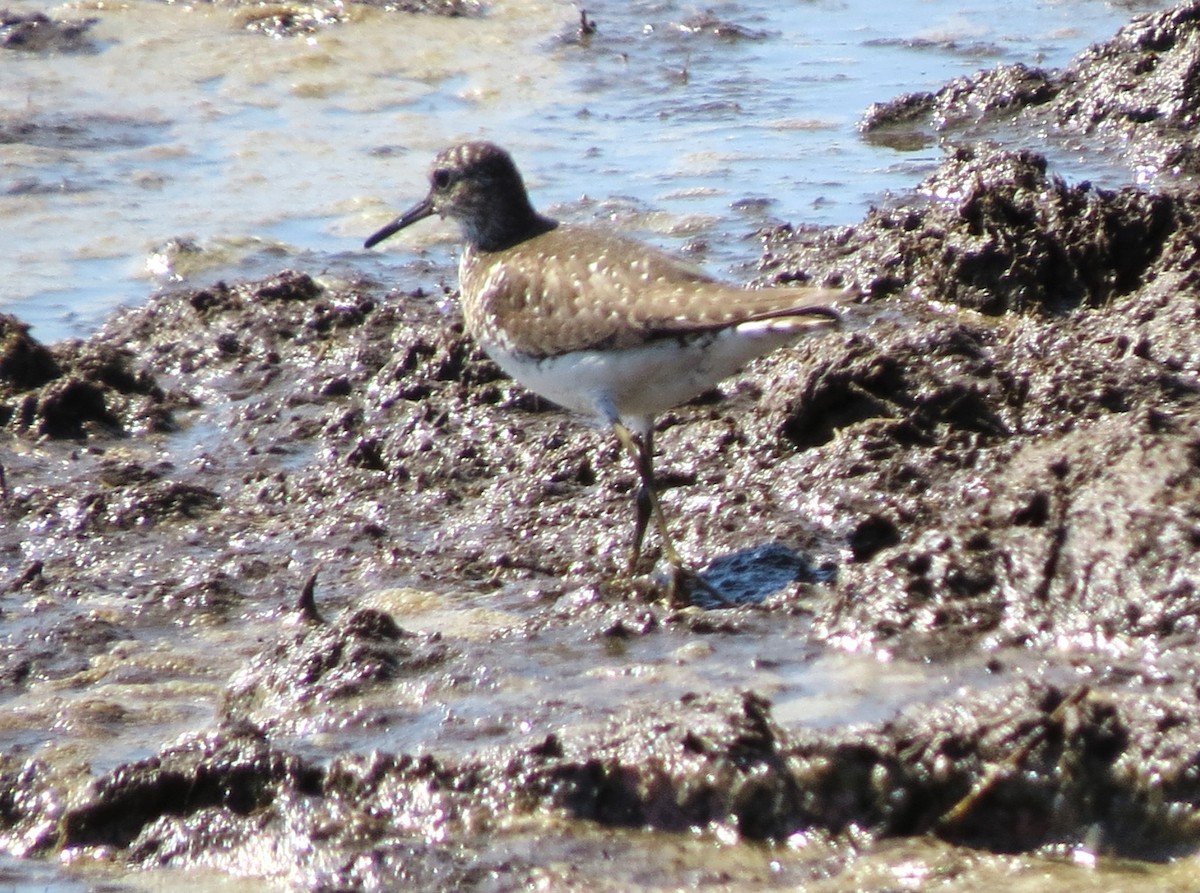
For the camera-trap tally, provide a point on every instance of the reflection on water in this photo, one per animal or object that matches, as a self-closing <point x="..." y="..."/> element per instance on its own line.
<point x="275" y="152"/>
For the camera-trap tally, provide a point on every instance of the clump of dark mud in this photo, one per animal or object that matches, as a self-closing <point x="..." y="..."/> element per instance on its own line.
<point x="452" y="8"/>
<point x="708" y="23"/>
<point x="996" y="232"/>
<point x="36" y="32"/>
<point x="1134" y="93"/>
<point x="1017" y="476"/>
<point x="1020" y="769"/>
<point x="298" y="18"/>
<point x="325" y="662"/>
<point x="75" y="388"/>
<point x="964" y="100"/>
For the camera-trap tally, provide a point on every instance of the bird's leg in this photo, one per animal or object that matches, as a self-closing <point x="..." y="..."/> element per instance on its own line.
<point x="683" y="581"/>
<point x="645" y="500"/>
<point x="647" y="497"/>
<point x="641" y="521"/>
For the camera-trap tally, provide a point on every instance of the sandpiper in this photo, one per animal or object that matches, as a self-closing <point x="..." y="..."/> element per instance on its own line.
<point x="596" y="322"/>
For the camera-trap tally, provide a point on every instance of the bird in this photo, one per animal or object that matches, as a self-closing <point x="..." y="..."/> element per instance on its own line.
<point x="597" y="322"/>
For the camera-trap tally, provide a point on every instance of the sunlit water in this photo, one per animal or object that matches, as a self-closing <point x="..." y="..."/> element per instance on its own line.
<point x="263" y="152"/>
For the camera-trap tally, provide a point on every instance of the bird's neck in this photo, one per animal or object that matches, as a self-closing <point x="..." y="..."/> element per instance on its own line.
<point x="503" y="227"/>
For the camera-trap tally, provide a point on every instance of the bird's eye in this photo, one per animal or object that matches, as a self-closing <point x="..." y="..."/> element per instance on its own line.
<point x="441" y="178"/>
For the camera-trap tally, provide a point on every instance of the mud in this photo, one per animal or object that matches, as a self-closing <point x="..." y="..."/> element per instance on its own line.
<point x="280" y="20"/>
<point x="37" y="32"/>
<point x="360" y="596"/>
<point x="75" y="389"/>
<point x="1057" y="447"/>
<point x="1131" y="95"/>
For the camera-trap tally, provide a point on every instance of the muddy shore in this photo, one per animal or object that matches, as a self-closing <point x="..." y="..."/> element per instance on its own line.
<point x="410" y="656"/>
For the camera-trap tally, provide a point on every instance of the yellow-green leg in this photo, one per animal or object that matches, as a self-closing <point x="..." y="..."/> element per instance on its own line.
<point x="647" y="498"/>
<point x="647" y="507"/>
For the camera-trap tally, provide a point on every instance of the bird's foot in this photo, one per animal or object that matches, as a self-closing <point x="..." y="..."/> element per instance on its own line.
<point x="686" y="588"/>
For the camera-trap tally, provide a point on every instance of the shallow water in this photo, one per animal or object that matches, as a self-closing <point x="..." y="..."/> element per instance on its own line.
<point x="187" y="147"/>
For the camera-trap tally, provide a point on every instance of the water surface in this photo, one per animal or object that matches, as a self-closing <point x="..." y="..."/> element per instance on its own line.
<point x="188" y="147"/>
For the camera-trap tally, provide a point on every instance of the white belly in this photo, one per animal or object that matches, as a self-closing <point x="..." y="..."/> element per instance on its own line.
<point x="634" y="384"/>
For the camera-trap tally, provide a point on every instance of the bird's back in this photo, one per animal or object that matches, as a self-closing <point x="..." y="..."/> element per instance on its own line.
<point x="579" y="288"/>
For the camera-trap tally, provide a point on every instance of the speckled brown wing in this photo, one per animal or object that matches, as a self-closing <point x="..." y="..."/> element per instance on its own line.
<point x="577" y="288"/>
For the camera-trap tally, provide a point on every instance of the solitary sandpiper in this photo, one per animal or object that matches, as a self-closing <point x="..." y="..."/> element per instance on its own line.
<point x="596" y="322"/>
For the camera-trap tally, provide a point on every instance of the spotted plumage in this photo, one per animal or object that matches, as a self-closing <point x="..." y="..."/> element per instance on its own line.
<point x="594" y="321"/>
<point x="582" y="288"/>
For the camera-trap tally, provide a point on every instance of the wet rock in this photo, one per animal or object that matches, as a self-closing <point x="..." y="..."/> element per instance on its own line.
<point x="288" y="286"/>
<point x="1140" y="85"/>
<point x="56" y="650"/>
<point x="129" y="497"/>
<point x="734" y="775"/>
<point x="1021" y="464"/>
<point x="159" y="502"/>
<point x="281" y="20"/>
<point x="70" y="408"/>
<point x="872" y="535"/>
<point x="1022" y="768"/>
<point x="31" y="802"/>
<point x="30" y="577"/>
<point x="1018" y="770"/>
